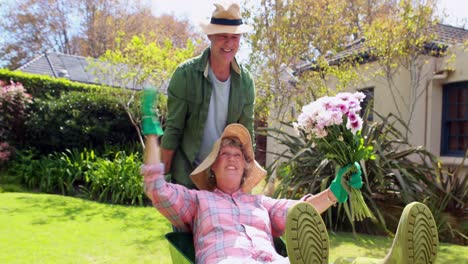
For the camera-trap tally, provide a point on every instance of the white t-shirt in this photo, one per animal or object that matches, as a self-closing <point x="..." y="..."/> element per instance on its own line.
<point x="217" y="115"/>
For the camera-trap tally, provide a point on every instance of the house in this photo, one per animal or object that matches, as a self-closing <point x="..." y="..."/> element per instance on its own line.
<point x="77" y="69"/>
<point x="438" y="119"/>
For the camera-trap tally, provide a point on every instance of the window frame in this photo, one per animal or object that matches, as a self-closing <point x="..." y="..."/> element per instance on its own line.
<point x="444" y="141"/>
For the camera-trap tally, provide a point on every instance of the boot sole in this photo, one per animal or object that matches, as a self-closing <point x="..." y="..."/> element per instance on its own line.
<point x="418" y="230"/>
<point x="306" y="235"/>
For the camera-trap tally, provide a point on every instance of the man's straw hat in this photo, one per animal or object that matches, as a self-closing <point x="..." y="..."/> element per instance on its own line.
<point x="225" y="19"/>
<point x="254" y="175"/>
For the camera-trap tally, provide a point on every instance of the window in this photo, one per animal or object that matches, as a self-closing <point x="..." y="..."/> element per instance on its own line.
<point x="454" y="140"/>
<point x="368" y="103"/>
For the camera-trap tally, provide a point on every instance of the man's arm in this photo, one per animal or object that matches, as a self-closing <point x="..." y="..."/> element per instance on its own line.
<point x="175" y="120"/>
<point x="247" y="115"/>
<point x="166" y="156"/>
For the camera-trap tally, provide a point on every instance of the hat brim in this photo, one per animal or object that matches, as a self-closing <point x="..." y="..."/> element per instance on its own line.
<point x="211" y="29"/>
<point x="254" y="175"/>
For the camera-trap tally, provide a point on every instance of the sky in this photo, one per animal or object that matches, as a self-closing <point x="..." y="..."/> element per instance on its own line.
<point x="196" y="10"/>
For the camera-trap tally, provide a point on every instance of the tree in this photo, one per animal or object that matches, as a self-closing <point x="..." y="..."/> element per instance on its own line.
<point x="289" y="34"/>
<point x="315" y="39"/>
<point x="34" y="26"/>
<point x="140" y="63"/>
<point x="402" y="40"/>
<point x="312" y="38"/>
<point x="82" y="27"/>
<point x="103" y="19"/>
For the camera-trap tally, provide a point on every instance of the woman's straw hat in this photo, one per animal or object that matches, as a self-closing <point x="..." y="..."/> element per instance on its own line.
<point x="225" y="19"/>
<point x="254" y="175"/>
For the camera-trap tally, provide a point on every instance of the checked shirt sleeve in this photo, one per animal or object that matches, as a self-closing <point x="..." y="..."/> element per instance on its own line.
<point x="174" y="201"/>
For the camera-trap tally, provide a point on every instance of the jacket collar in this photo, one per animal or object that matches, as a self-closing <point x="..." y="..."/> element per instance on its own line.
<point x="204" y="63"/>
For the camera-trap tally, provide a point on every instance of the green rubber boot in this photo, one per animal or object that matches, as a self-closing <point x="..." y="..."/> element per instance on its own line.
<point x="416" y="239"/>
<point x="415" y="242"/>
<point x="306" y="235"/>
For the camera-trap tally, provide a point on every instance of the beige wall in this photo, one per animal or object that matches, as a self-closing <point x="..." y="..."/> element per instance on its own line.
<point x="425" y="124"/>
<point x="434" y="106"/>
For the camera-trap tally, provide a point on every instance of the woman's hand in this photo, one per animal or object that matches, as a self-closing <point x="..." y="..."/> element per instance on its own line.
<point x="355" y="181"/>
<point x="149" y="120"/>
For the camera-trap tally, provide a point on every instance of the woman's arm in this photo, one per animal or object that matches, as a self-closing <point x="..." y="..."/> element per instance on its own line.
<point x="151" y="155"/>
<point x="322" y="201"/>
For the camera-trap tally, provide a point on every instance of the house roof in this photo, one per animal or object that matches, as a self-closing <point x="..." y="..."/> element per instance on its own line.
<point x="445" y="35"/>
<point x="74" y="68"/>
<point x="450" y="35"/>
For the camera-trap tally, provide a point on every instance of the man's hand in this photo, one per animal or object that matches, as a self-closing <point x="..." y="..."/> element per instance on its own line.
<point x="149" y="120"/>
<point x="355" y="181"/>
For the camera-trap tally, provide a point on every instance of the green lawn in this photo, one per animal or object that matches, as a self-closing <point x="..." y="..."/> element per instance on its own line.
<point x="40" y="228"/>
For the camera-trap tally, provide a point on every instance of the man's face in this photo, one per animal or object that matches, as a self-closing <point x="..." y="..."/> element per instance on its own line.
<point x="229" y="168"/>
<point x="224" y="46"/>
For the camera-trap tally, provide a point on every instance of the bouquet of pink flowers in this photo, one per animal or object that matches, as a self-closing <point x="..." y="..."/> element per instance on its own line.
<point x="334" y="126"/>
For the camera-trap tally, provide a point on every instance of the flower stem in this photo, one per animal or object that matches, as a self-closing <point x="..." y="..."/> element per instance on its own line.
<point x="359" y="208"/>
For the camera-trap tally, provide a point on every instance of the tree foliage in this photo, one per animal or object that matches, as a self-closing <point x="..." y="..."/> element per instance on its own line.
<point x="316" y="39"/>
<point x="140" y="63"/>
<point x="402" y="40"/>
<point x="82" y="27"/>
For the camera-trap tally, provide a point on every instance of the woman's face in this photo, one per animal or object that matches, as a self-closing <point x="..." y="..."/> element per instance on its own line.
<point x="229" y="168"/>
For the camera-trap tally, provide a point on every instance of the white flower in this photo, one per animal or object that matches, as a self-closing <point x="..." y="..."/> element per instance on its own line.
<point x="359" y="96"/>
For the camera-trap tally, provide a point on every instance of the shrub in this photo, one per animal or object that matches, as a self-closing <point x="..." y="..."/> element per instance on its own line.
<point x="51" y="173"/>
<point x="116" y="181"/>
<point x="14" y="103"/>
<point x="5" y="152"/>
<point x="42" y="86"/>
<point x="90" y="109"/>
<point x="77" y="120"/>
<point x="113" y="179"/>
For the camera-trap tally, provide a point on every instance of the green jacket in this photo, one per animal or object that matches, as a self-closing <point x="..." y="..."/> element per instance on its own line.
<point x="189" y="95"/>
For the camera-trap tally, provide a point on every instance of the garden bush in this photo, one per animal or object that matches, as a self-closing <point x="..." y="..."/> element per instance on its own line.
<point x="116" y="180"/>
<point x="42" y="86"/>
<point x="77" y="120"/>
<point x="82" y="173"/>
<point x="14" y="102"/>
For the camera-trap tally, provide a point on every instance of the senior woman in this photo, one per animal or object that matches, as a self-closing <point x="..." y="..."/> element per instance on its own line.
<point x="229" y="224"/>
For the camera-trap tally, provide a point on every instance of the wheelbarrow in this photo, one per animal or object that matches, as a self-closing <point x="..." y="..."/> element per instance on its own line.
<point x="183" y="251"/>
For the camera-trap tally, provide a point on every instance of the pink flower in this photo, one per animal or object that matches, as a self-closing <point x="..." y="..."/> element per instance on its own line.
<point x="355" y="125"/>
<point x="336" y="117"/>
<point x="328" y="111"/>
<point x="352" y="117"/>
<point x="343" y="108"/>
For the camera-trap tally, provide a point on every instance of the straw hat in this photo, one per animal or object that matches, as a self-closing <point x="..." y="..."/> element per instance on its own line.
<point x="225" y="19"/>
<point x="254" y="175"/>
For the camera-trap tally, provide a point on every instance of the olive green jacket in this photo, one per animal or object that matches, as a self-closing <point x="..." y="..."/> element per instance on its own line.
<point x="189" y="94"/>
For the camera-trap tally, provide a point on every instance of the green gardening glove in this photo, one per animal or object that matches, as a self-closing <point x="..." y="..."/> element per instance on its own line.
<point x="149" y="120"/>
<point x="355" y="181"/>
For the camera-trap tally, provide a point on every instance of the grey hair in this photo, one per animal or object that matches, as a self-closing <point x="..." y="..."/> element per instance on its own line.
<point x="234" y="142"/>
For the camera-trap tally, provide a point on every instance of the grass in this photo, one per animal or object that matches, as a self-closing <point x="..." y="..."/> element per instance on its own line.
<point x="42" y="228"/>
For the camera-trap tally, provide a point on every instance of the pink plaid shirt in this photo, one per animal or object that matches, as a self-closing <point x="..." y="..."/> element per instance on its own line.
<point x="235" y="228"/>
